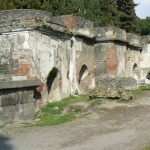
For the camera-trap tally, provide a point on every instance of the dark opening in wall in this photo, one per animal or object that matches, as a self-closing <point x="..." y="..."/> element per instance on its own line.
<point x="135" y="66"/>
<point x="148" y="75"/>
<point x="51" y="77"/>
<point x="83" y="73"/>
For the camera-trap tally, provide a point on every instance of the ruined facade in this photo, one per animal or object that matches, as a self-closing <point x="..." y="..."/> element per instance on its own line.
<point x="145" y="59"/>
<point x="50" y="57"/>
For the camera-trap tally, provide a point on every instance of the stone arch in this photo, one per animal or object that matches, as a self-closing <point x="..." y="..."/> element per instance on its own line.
<point x="50" y="79"/>
<point x="83" y="73"/>
<point x="148" y="75"/>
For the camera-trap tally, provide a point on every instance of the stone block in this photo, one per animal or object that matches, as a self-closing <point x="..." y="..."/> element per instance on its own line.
<point x="7" y="114"/>
<point x="13" y="97"/>
<point x="19" y="78"/>
<point x="19" y="84"/>
<point x="28" y="96"/>
<point x="71" y="21"/>
<point x="110" y="33"/>
<point x="24" y="111"/>
<point x="7" y="100"/>
<point x="15" y="113"/>
<point x="117" y="82"/>
<point x="134" y="39"/>
<point x="9" y="16"/>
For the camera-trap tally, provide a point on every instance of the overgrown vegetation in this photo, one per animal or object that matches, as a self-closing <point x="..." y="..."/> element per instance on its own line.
<point x="127" y="16"/>
<point x="147" y="148"/>
<point x="120" y="13"/>
<point x="53" y="113"/>
<point x="144" y="25"/>
<point x="140" y="89"/>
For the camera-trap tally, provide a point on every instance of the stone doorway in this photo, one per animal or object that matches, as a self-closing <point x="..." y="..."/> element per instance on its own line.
<point x="51" y="78"/>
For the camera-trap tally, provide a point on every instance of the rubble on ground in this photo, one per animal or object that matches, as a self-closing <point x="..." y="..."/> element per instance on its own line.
<point x="111" y="93"/>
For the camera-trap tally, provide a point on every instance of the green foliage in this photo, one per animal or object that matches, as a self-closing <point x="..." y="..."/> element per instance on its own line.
<point x="140" y="89"/>
<point x="147" y="148"/>
<point x="52" y="113"/>
<point x="127" y="16"/>
<point x="145" y="26"/>
<point x="25" y="4"/>
<point x="102" y="13"/>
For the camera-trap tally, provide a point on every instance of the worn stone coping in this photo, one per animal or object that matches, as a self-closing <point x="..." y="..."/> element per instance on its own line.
<point x="28" y="19"/>
<point x="146" y="39"/>
<point x="19" y="84"/>
<point x="7" y="16"/>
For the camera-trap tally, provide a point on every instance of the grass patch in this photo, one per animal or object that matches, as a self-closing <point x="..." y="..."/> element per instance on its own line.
<point x="52" y="113"/>
<point x="140" y="89"/>
<point x="147" y="148"/>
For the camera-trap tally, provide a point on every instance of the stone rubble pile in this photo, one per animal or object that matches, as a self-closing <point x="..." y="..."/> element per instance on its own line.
<point x="111" y="93"/>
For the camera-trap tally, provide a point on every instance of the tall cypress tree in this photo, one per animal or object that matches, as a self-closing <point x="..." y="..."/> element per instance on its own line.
<point x="127" y="16"/>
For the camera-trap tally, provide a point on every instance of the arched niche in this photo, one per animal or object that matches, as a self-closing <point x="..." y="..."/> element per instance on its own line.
<point x="148" y="75"/>
<point x="51" y="78"/>
<point x="83" y="73"/>
<point x="135" y="66"/>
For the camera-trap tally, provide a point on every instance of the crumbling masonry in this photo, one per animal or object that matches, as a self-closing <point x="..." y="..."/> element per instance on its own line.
<point x="50" y="57"/>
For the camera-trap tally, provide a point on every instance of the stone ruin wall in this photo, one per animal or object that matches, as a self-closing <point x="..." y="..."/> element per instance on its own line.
<point x="49" y="58"/>
<point x="145" y="59"/>
<point x="116" y="54"/>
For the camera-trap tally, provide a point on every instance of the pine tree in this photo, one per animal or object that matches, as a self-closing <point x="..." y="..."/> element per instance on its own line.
<point x="102" y="13"/>
<point x="127" y="16"/>
<point x="145" y="26"/>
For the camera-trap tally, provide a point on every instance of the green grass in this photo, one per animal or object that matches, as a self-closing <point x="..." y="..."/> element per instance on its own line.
<point x="52" y="113"/>
<point x="140" y="89"/>
<point x="147" y="148"/>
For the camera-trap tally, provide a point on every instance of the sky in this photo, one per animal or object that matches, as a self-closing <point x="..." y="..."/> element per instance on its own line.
<point x="143" y="9"/>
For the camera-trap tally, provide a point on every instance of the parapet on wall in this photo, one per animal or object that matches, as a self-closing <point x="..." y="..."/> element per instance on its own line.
<point x="66" y="54"/>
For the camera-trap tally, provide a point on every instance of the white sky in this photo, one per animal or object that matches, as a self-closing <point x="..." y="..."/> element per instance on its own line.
<point x="143" y="9"/>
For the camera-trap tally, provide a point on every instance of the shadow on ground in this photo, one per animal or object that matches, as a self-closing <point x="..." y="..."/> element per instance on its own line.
<point x="4" y="143"/>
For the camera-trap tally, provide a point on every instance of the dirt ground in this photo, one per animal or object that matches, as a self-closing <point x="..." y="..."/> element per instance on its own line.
<point x="113" y="126"/>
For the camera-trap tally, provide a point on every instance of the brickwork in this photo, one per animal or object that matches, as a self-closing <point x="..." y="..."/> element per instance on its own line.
<point x="33" y="43"/>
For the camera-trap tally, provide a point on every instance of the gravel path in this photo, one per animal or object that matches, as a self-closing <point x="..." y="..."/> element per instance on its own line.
<point x="112" y="127"/>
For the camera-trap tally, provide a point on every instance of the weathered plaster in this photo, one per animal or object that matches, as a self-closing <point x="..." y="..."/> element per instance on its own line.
<point x="70" y="52"/>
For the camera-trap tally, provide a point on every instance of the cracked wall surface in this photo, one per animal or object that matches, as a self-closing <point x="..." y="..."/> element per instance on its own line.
<point x="58" y="56"/>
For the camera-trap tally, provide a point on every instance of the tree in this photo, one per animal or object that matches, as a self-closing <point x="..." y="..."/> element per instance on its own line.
<point x="25" y="4"/>
<point x="127" y="18"/>
<point x="145" y="26"/>
<point x="108" y="14"/>
<point x="99" y="11"/>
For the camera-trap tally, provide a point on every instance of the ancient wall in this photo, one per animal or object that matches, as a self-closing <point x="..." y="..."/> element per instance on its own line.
<point x="17" y="100"/>
<point x="66" y="54"/>
<point x="28" y="55"/>
<point x="145" y="59"/>
<point x="85" y="66"/>
<point x="116" y="54"/>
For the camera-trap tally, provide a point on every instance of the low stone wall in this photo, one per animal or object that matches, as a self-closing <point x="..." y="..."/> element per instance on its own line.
<point x="17" y="101"/>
